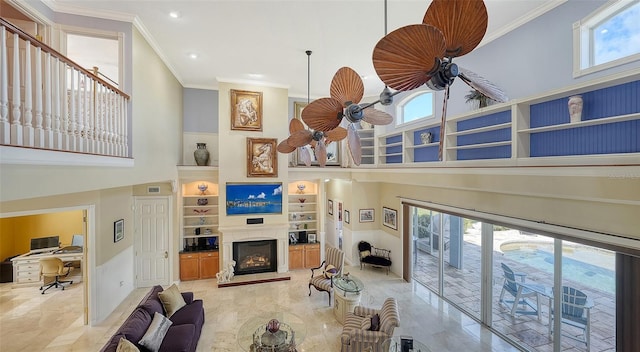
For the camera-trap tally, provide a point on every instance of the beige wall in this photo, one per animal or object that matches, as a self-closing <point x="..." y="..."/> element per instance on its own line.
<point x="16" y="232"/>
<point x="595" y="203"/>
<point x="233" y="145"/>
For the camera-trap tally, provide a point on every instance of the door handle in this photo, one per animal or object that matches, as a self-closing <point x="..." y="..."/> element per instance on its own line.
<point x="166" y="254"/>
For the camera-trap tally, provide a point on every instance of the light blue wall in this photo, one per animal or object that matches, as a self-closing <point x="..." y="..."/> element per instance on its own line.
<point x="200" y="110"/>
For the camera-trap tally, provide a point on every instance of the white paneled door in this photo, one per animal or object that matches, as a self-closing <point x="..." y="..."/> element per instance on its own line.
<point x="152" y="241"/>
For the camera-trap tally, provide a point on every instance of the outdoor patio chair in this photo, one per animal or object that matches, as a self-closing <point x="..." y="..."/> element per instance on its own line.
<point x="520" y="294"/>
<point x="575" y="312"/>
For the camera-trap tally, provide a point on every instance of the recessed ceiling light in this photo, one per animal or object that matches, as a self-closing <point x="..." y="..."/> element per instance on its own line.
<point x="256" y="75"/>
<point x="193" y="56"/>
<point x="174" y="14"/>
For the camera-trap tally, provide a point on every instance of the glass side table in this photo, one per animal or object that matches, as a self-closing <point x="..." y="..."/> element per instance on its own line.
<point x="394" y="345"/>
<point x="253" y="335"/>
<point x="344" y="302"/>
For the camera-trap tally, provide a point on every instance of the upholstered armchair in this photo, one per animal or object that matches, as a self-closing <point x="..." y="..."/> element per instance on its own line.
<point x="359" y="332"/>
<point x="331" y="266"/>
<point x="376" y="257"/>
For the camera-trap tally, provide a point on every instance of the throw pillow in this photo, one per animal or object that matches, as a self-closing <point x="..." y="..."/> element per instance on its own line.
<point x="152" y="339"/>
<point x="125" y="345"/>
<point x="172" y="300"/>
<point x="365" y="254"/>
<point x="375" y="322"/>
<point x="330" y="271"/>
<point x="365" y="324"/>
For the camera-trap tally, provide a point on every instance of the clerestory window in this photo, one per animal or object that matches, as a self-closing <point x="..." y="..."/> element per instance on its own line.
<point x="607" y="38"/>
<point x="415" y="107"/>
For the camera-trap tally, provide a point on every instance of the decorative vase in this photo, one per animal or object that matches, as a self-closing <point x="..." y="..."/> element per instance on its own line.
<point x="201" y="154"/>
<point x="203" y="201"/>
<point x="426" y="137"/>
<point x="575" y="108"/>
<point x="273" y="326"/>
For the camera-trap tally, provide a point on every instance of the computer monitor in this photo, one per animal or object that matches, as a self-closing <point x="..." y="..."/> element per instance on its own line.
<point x="43" y="244"/>
<point x="77" y="240"/>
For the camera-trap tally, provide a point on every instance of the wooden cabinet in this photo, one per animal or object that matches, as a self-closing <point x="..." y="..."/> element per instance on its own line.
<point x="199" y="265"/>
<point x="209" y="265"/>
<point x="304" y="256"/>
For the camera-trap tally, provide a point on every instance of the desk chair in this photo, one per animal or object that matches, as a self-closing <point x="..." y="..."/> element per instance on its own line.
<point x="53" y="268"/>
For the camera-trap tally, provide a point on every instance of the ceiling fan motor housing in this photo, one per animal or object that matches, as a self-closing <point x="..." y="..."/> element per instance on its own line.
<point x="445" y="76"/>
<point x="353" y="113"/>
<point x="317" y="135"/>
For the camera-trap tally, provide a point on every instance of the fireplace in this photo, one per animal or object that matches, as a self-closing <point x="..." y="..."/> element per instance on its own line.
<point x="253" y="257"/>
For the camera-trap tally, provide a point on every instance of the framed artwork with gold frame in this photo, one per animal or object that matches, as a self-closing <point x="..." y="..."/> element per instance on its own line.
<point x="333" y="149"/>
<point x="246" y="110"/>
<point x="262" y="159"/>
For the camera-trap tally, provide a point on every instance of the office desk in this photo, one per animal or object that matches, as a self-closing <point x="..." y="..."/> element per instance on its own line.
<point x="26" y="267"/>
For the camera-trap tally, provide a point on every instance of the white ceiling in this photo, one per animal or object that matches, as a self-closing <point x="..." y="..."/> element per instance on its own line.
<point x="234" y="39"/>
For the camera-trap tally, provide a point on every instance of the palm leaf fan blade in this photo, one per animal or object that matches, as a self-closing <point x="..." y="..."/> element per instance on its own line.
<point x="295" y="125"/>
<point x="305" y="156"/>
<point x="284" y="147"/>
<point x="482" y="85"/>
<point x="300" y="138"/>
<point x="336" y="134"/>
<point x="406" y="58"/>
<point x="347" y="86"/>
<point x="377" y="117"/>
<point x="355" y="148"/>
<point x="321" y="153"/>
<point x="323" y="114"/>
<point x="462" y="22"/>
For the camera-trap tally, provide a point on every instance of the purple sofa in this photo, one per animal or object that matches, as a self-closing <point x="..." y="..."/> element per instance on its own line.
<point x="183" y="334"/>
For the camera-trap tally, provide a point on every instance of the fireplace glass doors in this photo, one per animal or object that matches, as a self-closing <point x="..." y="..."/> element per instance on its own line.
<point x="254" y="257"/>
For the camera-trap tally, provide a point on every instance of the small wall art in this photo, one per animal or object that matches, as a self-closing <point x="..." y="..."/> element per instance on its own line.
<point x="347" y="217"/>
<point x="330" y="207"/>
<point x="262" y="160"/>
<point x="118" y="230"/>
<point x="390" y="218"/>
<point x="366" y="215"/>
<point x="246" y="110"/>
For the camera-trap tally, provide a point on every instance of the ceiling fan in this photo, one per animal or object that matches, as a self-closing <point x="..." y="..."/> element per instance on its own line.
<point x="419" y="54"/>
<point x="326" y="114"/>
<point x="299" y="136"/>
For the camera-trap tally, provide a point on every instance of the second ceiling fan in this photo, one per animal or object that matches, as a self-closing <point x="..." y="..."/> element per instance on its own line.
<point x="419" y="54"/>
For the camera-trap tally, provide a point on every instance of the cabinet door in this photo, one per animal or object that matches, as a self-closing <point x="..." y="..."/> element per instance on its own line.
<point x="312" y="255"/>
<point x="208" y="265"/>
<point x="296" y="260"/>
<point x="189" y="266"/>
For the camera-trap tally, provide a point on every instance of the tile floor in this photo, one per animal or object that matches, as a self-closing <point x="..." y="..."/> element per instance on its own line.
<point x="30" y="321"/>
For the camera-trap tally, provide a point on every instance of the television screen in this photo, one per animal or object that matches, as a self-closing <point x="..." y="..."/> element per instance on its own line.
<point x="45" y="243"/>
<point x="254" y="198"/>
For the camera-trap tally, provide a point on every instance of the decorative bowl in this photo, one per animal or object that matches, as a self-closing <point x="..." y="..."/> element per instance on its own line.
<point x="273" y="326"/>
<point x="203" y="187"/>
<point x="302" y="200"/>
<point x="301" y="187"/>
<point x="203" y="201"/>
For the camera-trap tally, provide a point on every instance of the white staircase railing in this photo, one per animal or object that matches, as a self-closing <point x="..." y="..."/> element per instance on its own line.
<point x="49" y="102"/>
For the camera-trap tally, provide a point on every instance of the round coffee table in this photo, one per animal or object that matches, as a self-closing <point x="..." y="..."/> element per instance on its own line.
<point x="349" y="298"/>
<point x="394" y="344"/>
<point x="254" y="337"/>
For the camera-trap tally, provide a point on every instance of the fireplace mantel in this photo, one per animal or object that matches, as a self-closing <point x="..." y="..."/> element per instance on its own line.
<point x="230" y="234"/>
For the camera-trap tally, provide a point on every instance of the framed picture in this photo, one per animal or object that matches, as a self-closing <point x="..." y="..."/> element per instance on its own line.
<point x="347" y="217"/>
<point x="292" y="237"/>
<point x="246" y="110"/>
<point x="118" y="230"/>
<point x="330" y="207"/>
<point x="333" y="148"/>
<point x="390" y="218"/>
<point x="312" y="237"/>
<point x="262" y="160"/>
<point x="366" y="215"/>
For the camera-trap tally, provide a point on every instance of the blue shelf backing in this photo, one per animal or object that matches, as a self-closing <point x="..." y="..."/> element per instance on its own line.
<point x="615" y="137"/>
<point x="500" y="135"/>
<point x="394" y="159"/>
<point x="427" y="153"/>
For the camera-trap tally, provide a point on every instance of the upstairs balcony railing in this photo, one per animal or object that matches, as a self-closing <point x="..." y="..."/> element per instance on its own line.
<point x="49" y="102"/>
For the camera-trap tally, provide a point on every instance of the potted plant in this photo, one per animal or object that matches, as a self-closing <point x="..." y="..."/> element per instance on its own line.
<point x="475" y="96"/>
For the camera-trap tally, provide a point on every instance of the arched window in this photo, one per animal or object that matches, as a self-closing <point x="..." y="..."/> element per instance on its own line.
<point x="607" y="38"/>
<point x="415" y="107"/>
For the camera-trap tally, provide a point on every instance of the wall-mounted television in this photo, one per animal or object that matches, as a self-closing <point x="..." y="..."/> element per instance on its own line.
<point x="254" y="198"/>
<point x="43" y="244"/>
